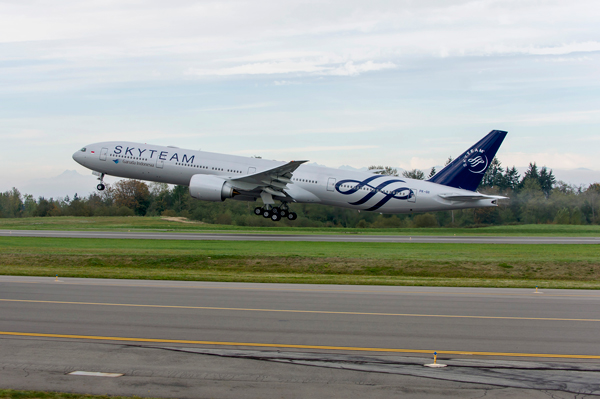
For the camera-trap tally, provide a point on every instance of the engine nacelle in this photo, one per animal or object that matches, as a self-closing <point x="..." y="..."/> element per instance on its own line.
<point x="210" y="188"/>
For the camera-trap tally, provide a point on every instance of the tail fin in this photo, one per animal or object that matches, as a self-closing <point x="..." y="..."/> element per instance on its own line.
<point x="467" y="170"/>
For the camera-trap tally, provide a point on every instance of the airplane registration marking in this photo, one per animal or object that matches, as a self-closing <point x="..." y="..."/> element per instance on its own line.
<point x="292" y="346"/>
<point x="298" y="311"/>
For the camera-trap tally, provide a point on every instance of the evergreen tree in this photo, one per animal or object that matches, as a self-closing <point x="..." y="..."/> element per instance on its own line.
<point x="546" y="180"/>
<point x="493" y="176"/>
<point x="593" y="198"/>
<point x="531" y="174"/>
<point x="384" y="170"/>
<point x="414" y="174"/>
<point x="432" y="173"/>
<point x="511" y="178"/>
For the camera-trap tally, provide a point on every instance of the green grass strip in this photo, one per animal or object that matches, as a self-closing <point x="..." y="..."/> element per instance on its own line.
<point x="161" y="224"/>
<point x="484" y="265"/>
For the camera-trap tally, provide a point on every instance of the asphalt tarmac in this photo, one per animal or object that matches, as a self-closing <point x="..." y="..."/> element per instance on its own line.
<point x="235" y="340"/>
<point x="302" y="237"/>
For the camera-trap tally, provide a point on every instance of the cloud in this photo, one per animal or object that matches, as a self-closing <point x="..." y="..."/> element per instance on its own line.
<point x="260" y="68"/>
<point x="350" y="69"/>
<point x="307" y="149"/>
<point x="567" y="117"/>
<point x="559" y="49"/>
<point x="341" y="129"/>
<point x="581" y="47"/>
<point x="26" y="134"/>
<point x="314" y="67"/>
<point x="236" y="107"/>
<point x="286" y="82"/>
<point x="391" y="73"/>
<point x="420" y="163"/>
<point x="570" y="59"/>
<point x="106" y="41"/>
<point x="559" y="160"/>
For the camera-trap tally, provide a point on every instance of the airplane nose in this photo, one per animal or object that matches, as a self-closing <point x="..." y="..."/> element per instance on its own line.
<point x="78" y="156"/>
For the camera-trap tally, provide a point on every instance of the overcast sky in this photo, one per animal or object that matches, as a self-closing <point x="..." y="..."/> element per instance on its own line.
<point x="399" y="83"/>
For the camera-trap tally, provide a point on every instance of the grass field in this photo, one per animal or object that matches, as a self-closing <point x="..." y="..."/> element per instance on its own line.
<point x="160" y="224"/>
<point x="486" y="265"/>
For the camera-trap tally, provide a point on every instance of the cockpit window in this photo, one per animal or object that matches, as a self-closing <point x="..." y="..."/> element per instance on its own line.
<point x="83" y="149"/>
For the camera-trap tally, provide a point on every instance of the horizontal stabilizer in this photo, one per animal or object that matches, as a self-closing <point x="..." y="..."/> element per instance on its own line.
<point x="467" y="197"/>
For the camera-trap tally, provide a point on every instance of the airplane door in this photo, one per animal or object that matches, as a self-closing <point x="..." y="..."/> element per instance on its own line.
<point x="331" y="184"/>
<point x="251" y="170"/>
<point x="103" y="153"/>
<point x="160" y="163"/>
<point x="413" y="196"/>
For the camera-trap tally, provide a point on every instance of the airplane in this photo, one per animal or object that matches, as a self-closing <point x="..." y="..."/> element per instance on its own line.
<point x="217" y="177"/>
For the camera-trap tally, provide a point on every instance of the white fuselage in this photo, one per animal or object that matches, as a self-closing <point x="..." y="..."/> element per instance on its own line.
<point x="310" y="184"/>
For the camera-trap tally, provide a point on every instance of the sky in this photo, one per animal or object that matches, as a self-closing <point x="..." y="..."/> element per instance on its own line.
<point x="399" y="83"/>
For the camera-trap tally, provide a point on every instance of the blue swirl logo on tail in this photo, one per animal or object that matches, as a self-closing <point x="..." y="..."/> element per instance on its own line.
<point x="402" y="193"/>
<point x="475" y="161"/>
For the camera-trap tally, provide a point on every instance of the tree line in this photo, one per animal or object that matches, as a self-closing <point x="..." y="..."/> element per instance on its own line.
<point x="536" y="197"/>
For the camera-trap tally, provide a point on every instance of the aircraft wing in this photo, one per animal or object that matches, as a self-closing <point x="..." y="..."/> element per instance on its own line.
<point x="271" y="181"/>
<point x="469" y="197"/>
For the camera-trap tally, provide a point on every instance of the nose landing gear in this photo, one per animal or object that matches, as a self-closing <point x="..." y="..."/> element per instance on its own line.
<point x="101" y="186"/>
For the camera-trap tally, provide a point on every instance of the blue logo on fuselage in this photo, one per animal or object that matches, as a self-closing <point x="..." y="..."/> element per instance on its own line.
<point x="402" y="193"/>
<point x="115" y="160"/>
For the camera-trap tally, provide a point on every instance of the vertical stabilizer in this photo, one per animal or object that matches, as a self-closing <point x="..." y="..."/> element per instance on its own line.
<point x="467" y="170"/>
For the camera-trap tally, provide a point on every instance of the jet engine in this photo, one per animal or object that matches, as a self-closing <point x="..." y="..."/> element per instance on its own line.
<point x="210" y="188"/>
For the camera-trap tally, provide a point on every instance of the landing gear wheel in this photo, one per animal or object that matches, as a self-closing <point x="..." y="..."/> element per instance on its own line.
<point x="258" y="211"/>
<point x="283" y="213"/>
<point x="292" y="216"/>
<point x="100" y="187"/>
<point x="275" y="217"/>
<point x="276" y="211"/>
<point x="267" y="213"/>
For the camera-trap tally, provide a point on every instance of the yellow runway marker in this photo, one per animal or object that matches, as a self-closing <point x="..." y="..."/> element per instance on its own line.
<point x="298" y="311"/>
<point x="288" y="346"/>
<point x="312" y="289"/>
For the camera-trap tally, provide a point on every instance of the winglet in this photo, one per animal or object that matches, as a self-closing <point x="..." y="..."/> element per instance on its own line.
<point x="467" y="170"/>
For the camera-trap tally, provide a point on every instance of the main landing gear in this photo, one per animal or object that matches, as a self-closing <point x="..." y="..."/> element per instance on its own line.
<point x="276" y="213"/>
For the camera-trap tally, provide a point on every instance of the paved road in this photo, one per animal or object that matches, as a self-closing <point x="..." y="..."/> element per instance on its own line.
<point x="301" y="237"/>
<point x="108" y="325"/>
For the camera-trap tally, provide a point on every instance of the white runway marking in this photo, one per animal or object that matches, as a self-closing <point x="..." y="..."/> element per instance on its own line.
<point x="95" y="374"/>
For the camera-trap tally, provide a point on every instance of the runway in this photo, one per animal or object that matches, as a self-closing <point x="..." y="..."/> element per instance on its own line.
<point x="302" y="237"/>
<point x="73" y="319"/>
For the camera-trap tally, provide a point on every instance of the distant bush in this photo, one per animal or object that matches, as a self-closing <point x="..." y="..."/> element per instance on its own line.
<point x="106" y="211"/>
<point x="563" y="216"/>
<point x="362" y="224"/>
<point x="224" y="218"/>
<point x="124" y="211"/>
<point x="425" y="220"/>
